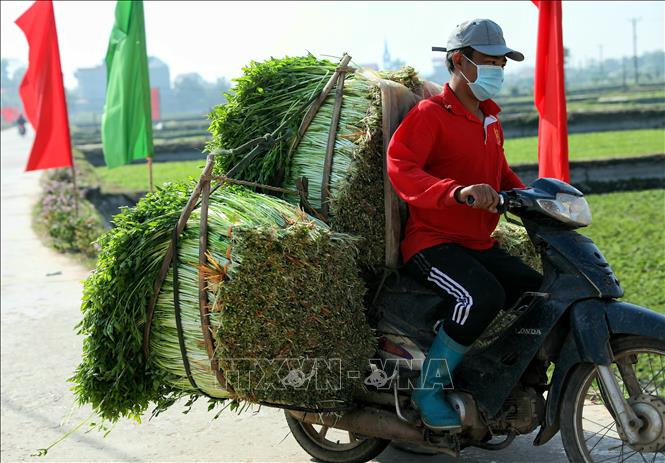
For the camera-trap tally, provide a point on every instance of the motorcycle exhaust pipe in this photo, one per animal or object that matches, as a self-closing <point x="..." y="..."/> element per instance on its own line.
<point x="372" y="422"/>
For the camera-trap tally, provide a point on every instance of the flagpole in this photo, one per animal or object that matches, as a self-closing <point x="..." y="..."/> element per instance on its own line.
<point x="150" y="172"/>
<point x="76" y="190"/>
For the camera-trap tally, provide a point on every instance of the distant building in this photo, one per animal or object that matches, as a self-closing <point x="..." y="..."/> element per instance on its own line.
<point x="91" y="90"/>
<point x="390" y="64"/>
<point x="386" y="54"/>
<point x="160" y="76"/>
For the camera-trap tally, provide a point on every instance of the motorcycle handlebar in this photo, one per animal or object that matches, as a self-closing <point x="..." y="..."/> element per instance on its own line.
<point x="500" y="208"/>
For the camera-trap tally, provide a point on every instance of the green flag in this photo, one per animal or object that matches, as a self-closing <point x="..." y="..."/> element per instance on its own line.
<point x="127" y="122"/>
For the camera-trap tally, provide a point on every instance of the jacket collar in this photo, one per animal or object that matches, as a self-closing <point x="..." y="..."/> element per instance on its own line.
<point x="453" y="104"/>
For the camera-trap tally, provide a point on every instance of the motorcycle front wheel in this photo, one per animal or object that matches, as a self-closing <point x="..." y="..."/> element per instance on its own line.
<point x="333" y="445"/>
<point x="589" y="431"/>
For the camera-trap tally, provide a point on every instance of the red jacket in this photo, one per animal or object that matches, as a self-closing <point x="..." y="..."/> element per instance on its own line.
<point x="438" y="147"/>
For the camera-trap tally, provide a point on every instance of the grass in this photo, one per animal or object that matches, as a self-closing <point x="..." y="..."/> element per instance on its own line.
<point x="629" y="229"/>
<point x="134" y="177"/>
<point x="590" y="146"/>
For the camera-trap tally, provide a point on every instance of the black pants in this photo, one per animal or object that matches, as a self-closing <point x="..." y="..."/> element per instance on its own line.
<point x="476" y="283"/>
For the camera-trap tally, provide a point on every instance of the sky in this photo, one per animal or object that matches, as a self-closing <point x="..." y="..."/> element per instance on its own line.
<point x="217" y="38"/>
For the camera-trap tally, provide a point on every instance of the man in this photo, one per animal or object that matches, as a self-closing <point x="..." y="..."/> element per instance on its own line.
<point x="448" y="149"/>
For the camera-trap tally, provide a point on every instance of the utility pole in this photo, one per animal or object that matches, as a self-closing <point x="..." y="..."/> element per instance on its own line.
<point x="634" y="21"/>
<point x="600" y="61"/>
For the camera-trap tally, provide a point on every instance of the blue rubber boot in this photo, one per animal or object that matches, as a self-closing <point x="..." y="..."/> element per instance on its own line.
<point x="429" y="398"/>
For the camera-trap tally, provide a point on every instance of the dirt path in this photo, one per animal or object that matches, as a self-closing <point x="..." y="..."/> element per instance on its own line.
<point x="41" y="292"/>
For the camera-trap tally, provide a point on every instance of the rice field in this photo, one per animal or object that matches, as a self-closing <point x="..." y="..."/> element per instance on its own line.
<point x="592" y="146"/>
<point x="629" y="229"/>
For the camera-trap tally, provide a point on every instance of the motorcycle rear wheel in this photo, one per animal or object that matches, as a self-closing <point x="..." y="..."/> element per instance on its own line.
<point x="316" y="441"/>
<point x="588" y="429"/>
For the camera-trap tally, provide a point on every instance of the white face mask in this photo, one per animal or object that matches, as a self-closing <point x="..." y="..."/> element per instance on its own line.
<point x="488" y="81"/>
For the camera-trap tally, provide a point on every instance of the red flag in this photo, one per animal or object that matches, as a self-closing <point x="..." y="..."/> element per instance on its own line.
<point x="42" y="90"/>
<point x="550" y="96"/>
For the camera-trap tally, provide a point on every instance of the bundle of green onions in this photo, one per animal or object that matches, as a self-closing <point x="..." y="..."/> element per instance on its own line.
<point x="515" y="240"/>
<point x="271" y="293"/>
<point x="269" y="99"/>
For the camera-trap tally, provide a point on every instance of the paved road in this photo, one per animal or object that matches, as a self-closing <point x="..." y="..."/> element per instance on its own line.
<point x="41" y="292"/>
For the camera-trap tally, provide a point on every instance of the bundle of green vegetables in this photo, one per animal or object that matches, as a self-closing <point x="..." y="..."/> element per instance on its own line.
<point x="270" y="97"/>
<point x="273" y="96"/>
<point x="271" y="294"/>
<point x="515" y="240"/>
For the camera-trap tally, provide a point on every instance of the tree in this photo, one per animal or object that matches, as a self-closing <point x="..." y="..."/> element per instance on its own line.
<point x="5" y="73"/>
<point x="566" y="56"/>
<point x="190" y="92"/>
<point x="10" y="84"/>
<point x="216" y="91"/>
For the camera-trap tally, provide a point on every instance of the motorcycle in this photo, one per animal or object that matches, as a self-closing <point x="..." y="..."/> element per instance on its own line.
<point x="21" y="129"/>
<point x="570" y="358"/>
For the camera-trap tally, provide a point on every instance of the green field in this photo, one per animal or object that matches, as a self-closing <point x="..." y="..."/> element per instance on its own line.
<point x="629" y="229"/>
<point x="134" y="177"/>
<point x="595" y="145"/>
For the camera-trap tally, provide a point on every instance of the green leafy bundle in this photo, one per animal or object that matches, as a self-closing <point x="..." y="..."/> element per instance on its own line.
<point x="515" y="240"/>
<point x="113" y="376"/>
<point x="264" y="255"/>
<point x="269" y="98"/>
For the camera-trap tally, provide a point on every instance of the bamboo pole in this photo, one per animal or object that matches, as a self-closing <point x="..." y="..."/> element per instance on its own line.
<point x="244" y="162"/>
<point x="309" y="116"/>
<point x="150" y="173"/>
<point x="330" y="149"/>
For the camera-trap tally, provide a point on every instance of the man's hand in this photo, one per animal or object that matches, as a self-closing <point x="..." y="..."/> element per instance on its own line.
<point x="484" y="196"/>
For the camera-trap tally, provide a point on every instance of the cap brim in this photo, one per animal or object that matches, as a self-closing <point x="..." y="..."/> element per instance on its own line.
<point x="499" y="50"/>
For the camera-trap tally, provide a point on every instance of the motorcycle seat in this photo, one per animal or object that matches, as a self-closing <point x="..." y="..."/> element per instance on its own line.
<point x="412" y="308"/>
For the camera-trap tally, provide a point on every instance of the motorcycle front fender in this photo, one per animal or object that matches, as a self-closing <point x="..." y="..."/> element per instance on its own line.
<point x="592" y="324"/>
<point x="625" y="318"/>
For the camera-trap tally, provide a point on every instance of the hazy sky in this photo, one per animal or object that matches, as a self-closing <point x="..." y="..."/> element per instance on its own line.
<point x="217" y="39"/>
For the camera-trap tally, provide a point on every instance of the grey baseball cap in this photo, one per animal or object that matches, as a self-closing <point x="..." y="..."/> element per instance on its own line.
<point x="483" y="35"/>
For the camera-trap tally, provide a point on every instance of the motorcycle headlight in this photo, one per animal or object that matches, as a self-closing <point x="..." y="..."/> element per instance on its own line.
<point x="567" y="208"/>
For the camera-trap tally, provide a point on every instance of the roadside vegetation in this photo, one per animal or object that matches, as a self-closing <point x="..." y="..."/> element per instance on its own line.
<point x="55" y="218"/>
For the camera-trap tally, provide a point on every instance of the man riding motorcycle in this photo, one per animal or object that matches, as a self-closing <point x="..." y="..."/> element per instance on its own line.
<point x="448" y="154"/>
<point x="20" y="123"/>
